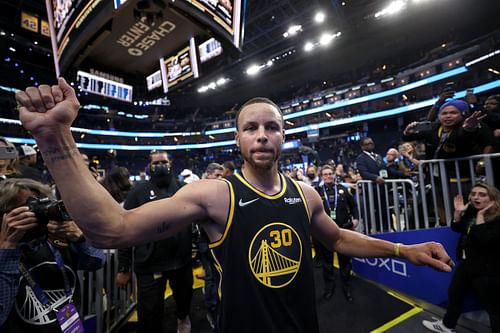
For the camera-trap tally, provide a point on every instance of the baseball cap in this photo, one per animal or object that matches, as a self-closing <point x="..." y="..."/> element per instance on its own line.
<point x="26" y="150"/>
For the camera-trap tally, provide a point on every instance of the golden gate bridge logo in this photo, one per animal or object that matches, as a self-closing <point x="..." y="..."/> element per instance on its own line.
<point x="275" y="255"/>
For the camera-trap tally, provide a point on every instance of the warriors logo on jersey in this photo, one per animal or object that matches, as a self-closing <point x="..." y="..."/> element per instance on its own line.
<point x="275" y="255"/>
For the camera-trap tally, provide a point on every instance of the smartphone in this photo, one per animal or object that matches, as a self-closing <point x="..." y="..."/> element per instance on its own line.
<point x="8" y="153"/>
<point x="449" y="86"/>
<point x="423" y="126"/>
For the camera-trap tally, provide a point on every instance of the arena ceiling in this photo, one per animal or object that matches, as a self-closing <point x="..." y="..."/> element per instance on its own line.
<point x="366" y="42"/>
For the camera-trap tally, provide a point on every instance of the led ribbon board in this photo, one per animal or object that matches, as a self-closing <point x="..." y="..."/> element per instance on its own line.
<point x="104" y="87"/>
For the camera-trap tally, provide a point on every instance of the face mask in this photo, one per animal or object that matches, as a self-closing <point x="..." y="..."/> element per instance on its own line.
<point x="160" y="172"/>
<point x="311" y="175"/>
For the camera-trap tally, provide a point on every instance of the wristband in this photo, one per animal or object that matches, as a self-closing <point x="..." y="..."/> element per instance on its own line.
<point x="397" y="252"/>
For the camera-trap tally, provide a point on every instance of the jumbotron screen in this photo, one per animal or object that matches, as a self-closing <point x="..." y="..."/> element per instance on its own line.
<point x="227" y="14"/>
<point x="72" y="17"/>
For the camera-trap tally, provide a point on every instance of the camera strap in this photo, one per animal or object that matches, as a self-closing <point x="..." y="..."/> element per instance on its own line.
<point x="60" y="263"/>
<point x="327" y="199"/>
<point x="37" y="289"/>
<point x="39" y="293"/>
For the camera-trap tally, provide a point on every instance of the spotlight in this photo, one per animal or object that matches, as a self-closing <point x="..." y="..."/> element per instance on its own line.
<point x="308" y="47"/>
<point x="254" y="69"/>
<point x="325" y="39"/>
<point x="319" y="17"/>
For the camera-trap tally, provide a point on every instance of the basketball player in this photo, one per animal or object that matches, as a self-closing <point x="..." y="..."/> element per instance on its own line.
<point x="259" y="222"/>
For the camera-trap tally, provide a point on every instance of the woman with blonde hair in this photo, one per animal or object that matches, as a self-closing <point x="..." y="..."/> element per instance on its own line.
<point x="479" y="255"/>
<point x="8" y="166"/>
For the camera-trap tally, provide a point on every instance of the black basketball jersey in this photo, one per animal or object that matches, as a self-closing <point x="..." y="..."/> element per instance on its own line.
<point x="264" y="261"/>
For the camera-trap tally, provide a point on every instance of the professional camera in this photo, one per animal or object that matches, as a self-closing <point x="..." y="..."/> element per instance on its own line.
<point x="47" y="209"/>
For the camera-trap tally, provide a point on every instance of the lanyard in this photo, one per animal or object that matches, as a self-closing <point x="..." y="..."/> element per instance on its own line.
<point x="39" y="292"/>
<point x="328" y="201"/>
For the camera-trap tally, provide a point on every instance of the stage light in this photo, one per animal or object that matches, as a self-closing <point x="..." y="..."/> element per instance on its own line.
<point x="2" y="33"/>
<point x="325" y="39"/>
<point x="254" y="69"/>
<point x="392" y="8"/>
<point x="294" y="29"/>
<point x="269" y="63"/>
<point x="308" y="46"/>
<point x="35" y="42"/>
<point x="319" y="17"/>
<point x="12" y="49"/>
<point x="212" y="85"/>
<point x="494" y="71"/>
<point x="221" y="81"/>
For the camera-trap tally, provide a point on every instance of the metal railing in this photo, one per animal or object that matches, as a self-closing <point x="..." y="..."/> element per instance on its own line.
<point x="101" y="300"/>
<point x="427" y="200"/>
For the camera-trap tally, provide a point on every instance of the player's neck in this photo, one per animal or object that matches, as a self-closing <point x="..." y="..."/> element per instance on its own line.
<point x="267" y="181"/>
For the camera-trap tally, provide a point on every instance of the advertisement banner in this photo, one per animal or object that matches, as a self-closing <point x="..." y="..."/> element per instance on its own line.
<point x="418" y="281"/>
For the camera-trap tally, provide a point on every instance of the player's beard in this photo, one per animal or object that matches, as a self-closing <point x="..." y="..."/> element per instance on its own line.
<point x="262" y="164"/>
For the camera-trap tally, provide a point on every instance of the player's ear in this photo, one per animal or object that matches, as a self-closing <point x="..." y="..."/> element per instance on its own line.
<point x="237" y="139"/>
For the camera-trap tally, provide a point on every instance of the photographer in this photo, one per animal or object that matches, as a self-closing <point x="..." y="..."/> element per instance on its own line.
<point x="45" y="253"/>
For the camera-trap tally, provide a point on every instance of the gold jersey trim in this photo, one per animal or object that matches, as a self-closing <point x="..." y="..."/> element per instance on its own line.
<point x="218" y="267"/>
<point x="259" y="192"/>
<point x="303" y="199"/>
<point x="229" y="220"/>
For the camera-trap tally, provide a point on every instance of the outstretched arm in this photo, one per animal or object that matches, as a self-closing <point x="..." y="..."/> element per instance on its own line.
<point x="47" y="113"/>
<point x="357" y="245"/>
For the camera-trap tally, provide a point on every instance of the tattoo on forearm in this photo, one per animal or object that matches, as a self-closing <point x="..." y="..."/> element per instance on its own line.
<point x="163" y="227"/>
<point x="61" y="153"/>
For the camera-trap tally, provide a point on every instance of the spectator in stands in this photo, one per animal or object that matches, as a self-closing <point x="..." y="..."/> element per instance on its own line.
<point x="92" y="167"/>
<point x="447" y="92"/>
<point x="455" y="135"/>
<point x="339" y="205"/>
<point x="155" y="263"/>
<point x="394" y="166"/>
<point x="491" y="108"/>
<point x="478" y="221"/>
<point x="228" y="168"/>
<point x="46" y="280"/>
<point x="297" y="174"/>
<point x="27" y="163"/>
<point x="312" y="177"/>
<point x="9" y="162"/>
<point x="408" y="156"/>
<point x="117" y="182"/>
<point x="339" y="173"/>
<point x="189" y="176"/>
<point x="352" y="176"/>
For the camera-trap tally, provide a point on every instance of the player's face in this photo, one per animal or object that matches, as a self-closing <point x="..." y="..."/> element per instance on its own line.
<point x="260" y="135"/>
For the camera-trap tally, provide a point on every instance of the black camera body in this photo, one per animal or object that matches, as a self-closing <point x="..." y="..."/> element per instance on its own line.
<point x="47" y="209"/>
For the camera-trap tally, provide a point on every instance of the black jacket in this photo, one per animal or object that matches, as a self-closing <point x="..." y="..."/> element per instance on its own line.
<point x="164" y="255"/>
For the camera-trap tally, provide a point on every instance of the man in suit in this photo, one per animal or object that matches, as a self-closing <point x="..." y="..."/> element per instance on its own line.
<point x="371" y="167"/>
